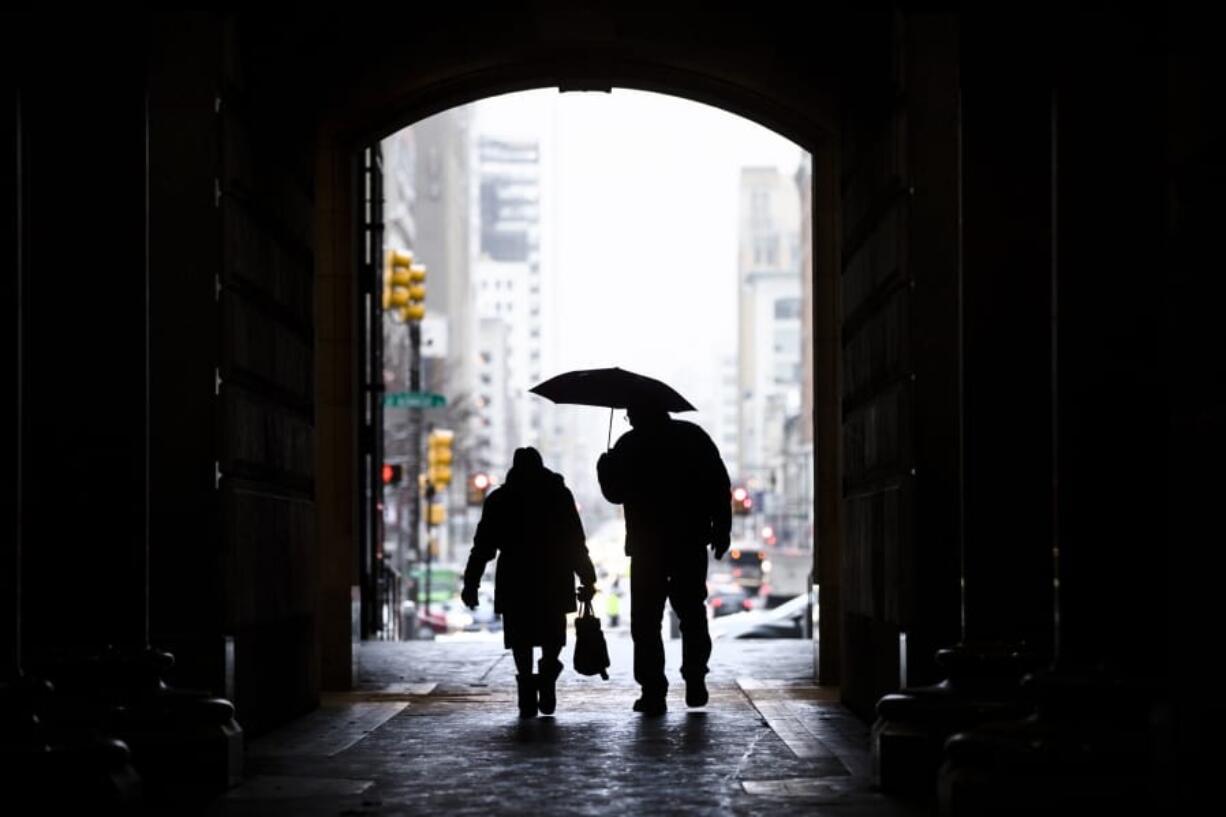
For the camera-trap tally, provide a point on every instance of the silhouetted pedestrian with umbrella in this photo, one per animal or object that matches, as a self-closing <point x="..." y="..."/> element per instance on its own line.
<point x="532" y="524"/>
<point x="674" y="486"/>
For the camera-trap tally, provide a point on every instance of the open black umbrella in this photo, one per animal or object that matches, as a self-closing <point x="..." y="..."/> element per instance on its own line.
<point x="612" y="387"/>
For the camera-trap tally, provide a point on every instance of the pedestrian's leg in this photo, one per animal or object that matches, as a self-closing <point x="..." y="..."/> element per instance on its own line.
<point x="687" y="594"/>
<point x="525" y="681"/>
<point x="523" y="659"/>
<point x="648" y="590"/>
<point x="549" y="668"/>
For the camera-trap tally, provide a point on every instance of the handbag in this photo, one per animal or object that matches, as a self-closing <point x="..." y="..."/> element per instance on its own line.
<point x="591" y="652"/>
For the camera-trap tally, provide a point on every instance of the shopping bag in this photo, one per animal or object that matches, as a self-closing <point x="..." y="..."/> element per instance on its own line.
<point x="591" y="652"/>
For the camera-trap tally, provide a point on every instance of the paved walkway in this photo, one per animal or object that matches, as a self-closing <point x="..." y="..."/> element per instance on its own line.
<point x="433" y="729"/>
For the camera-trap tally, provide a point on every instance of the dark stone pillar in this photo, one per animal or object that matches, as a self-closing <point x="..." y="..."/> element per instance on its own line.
<point x="930" y="589"/>
<point x="85" y="414"/>
<point x="186" y="559"/>
<point x="1007" y="565"/>
<point x="1004" y="141"/>
<point x="74" y="580"/>
<point x="10" y="449"/>
<point x="84" y="387"/>
<point x="1088" y="745"/>
<point x="1110" y="376"/>
<point x="1194" y="720"/>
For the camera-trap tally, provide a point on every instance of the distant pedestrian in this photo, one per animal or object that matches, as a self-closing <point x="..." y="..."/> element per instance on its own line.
<point x="532" y="525"/>
<point x="613" y="606"/>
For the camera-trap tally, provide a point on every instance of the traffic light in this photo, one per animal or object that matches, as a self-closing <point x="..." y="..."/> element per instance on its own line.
<point x="396" y="279"/>
<point x="392" y="474"/>
<point x="742" y="502"/>
<point x="404" y="286"/>
<point x="438" y="457"/>
<point x="416" y="308"/>
<point x="478" y="487"/>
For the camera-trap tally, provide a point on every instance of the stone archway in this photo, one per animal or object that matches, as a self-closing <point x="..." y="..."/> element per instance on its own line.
<point x="728" y="62"/>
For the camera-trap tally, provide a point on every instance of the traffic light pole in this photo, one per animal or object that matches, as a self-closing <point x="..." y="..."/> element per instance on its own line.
<point x="429" y="542"/>
<point x="413" y="467"/>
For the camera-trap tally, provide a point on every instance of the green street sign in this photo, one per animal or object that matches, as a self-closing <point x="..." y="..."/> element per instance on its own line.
<point x="413" y="399"/>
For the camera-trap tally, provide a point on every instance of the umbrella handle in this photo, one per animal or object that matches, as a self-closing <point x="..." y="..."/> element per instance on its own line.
<point x="608" y="443"/>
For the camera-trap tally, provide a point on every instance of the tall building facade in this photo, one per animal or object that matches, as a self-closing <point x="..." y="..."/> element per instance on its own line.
<point x="728" y="437"/>
<point x="509" y="286"/>
<point x="426" y="171"/>
<point x="769" y="330"/>
<point x="769" y="364"/>
<point x="800" y="476"/>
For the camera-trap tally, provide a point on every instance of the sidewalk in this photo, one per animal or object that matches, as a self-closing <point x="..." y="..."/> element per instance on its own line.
<point x="433" y="729"/>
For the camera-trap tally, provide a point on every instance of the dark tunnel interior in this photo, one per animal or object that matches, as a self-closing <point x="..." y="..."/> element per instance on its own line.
<point x="1015" y="352"/>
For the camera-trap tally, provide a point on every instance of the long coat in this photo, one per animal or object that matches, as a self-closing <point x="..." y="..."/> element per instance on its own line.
<point x="673" y="484"/>
<point x="532" y="525"/>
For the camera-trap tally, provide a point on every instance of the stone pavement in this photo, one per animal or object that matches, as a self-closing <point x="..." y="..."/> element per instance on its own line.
<point x="433" y="729"/>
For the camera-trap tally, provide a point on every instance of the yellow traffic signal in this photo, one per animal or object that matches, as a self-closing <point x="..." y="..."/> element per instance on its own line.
<point x="439" y="457"/>
<point x="397" y="279"/>
<point x="414" y="306"/>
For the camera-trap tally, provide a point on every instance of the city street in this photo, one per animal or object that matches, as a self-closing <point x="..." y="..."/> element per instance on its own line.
<point x="434" y="729"/>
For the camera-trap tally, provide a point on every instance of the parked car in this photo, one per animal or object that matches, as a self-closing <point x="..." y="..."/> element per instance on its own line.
<point x="727" y="598"/>
<point x="788" y="620"/>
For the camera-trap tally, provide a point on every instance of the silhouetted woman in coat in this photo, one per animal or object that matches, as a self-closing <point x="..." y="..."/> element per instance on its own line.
<point x="532" y="524"/>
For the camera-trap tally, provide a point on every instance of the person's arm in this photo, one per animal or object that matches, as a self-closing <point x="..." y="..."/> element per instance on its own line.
<point x="577" y="545"/>
<point x="484" y="548"/>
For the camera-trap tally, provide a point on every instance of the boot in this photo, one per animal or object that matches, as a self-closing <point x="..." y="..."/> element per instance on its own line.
<point x="651" y="702"/>
<point x="546" y="679"/>
<point x="527" y="695"/>
<point x="696" y="691"/>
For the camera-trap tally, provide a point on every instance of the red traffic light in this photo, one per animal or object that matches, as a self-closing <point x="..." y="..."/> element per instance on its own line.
<point x="392" y="474"/>
<point x="478" y="485"/>
<point x="742" y="502"/>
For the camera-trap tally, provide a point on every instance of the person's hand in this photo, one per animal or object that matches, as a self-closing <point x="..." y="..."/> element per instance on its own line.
<point x="720" y="548"/>
<point x="469" y="597"/>
<point x="585" y="592"/>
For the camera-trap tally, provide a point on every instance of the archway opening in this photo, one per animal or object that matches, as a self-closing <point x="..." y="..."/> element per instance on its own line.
<point x="571" y="231"/>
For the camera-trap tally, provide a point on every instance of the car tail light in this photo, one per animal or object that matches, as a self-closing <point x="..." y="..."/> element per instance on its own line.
<point x="717" y="602"/>
<point x="746" y="603"/>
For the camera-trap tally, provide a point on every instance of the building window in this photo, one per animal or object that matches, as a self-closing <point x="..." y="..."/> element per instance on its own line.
<point x="787" y="308"/>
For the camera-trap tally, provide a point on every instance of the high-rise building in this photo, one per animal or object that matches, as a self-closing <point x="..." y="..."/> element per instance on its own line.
<point x="508" y="273"/>
<point x="495" y="409"/>
<point x="442" y="244"/>
<point x="426" y="171"/>
<point x="800" y="478"/>
<point x="727" y="437"/>
<point x="770" y="307"/>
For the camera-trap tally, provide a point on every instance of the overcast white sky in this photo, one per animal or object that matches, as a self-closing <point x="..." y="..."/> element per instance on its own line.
<point x="642" y="204"/>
